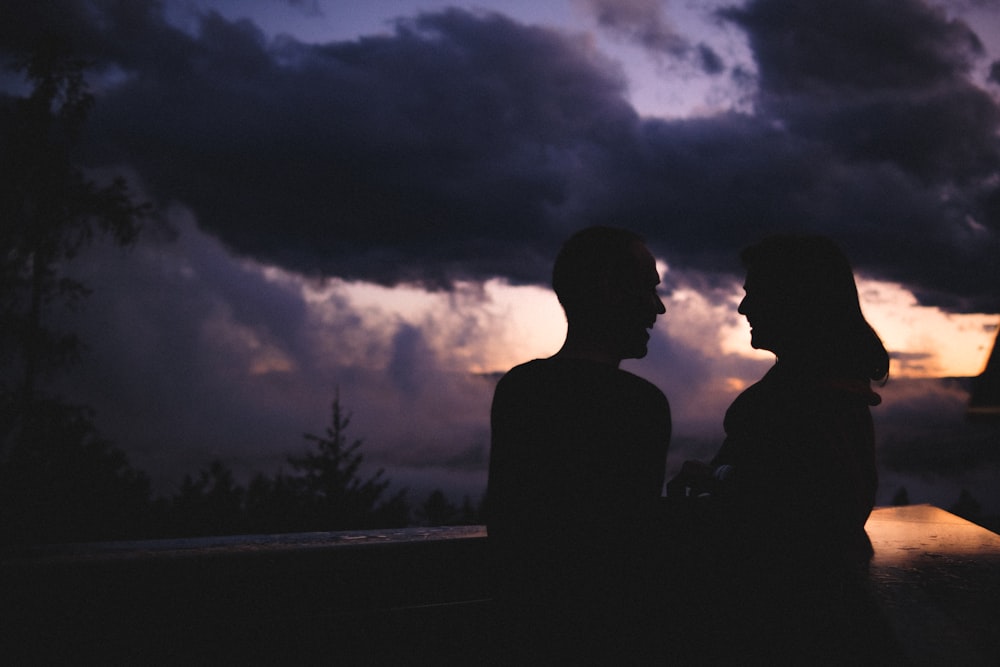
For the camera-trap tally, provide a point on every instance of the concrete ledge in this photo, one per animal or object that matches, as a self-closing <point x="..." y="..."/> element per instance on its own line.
<point x="938" y="579"/>
<point x="365" y="597"/>
<point x="414" y="596"/>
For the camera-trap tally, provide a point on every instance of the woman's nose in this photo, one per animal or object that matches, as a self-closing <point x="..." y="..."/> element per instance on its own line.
<point x="742" y="308"/>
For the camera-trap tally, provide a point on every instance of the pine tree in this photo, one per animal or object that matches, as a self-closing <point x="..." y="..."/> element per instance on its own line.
<point x="337" y="494"/>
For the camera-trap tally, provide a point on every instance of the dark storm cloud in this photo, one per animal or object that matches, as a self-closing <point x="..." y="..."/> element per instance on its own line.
<point x="644" y="23"/>
<point x="443" y="151"/>
<point x="854" y="45"/>
<point x="912" y="149"/>
<point x="877" y="82"/>
<point x="466" y="145"/>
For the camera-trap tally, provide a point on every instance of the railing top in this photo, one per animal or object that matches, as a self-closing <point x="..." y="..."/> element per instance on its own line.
<point x="901" y="536"/>
<point x="198" y="546"/>
<point x="909" y="535"/>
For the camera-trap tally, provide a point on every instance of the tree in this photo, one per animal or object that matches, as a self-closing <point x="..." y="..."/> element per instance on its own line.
<point x="49" y="211"/>
<point x="60" y="480"/>
<point x="65" y="483"/>
<point x="337" y="495"/>
<point x="437" y="510"/>
<point x="212" y="504"/>
<point x="326" y="491"/>
<point x="274" y="505"/>
<point x="967" y="507"/>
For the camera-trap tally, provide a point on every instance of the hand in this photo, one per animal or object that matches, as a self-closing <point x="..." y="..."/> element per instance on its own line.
<point x="694" y="475"/>
<point x="697" y="471"/>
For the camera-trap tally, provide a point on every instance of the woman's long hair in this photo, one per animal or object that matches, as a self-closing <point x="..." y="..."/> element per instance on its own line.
<point x="813" y="280"/>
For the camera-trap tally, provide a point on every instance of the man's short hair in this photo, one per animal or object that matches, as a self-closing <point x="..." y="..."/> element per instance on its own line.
<point x="588" y="258"/>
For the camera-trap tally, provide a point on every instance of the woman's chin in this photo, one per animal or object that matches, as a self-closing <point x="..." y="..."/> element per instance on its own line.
<point x="759" y="342"/>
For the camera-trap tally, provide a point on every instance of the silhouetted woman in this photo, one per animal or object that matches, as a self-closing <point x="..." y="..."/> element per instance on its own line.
<point x="795" y="478"/>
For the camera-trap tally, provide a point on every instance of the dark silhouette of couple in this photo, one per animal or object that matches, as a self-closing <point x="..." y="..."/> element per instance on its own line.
<point x="756" y="557"/>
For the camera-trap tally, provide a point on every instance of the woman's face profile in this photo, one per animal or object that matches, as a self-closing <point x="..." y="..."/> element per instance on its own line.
<point x="768" y="313"/>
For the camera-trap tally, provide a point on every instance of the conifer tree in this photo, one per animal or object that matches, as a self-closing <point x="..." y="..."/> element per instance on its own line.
<point x="338" y="494"/>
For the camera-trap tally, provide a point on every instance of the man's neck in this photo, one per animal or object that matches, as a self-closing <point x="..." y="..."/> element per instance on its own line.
<point x="589" y="350"/>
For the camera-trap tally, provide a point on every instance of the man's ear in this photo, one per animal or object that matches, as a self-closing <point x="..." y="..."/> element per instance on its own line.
<point x="605" y="288"/>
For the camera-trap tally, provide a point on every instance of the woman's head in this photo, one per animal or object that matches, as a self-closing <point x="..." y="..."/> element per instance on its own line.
<point x="802" y="303"/>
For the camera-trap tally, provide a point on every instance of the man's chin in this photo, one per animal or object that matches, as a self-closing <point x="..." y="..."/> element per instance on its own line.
<point x="629" y="345"/>
<point x="758" y="343"/>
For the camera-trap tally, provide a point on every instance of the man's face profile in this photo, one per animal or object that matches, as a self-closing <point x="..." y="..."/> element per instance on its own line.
<point x="606" y="281"/>
<point x="633" y="305"/>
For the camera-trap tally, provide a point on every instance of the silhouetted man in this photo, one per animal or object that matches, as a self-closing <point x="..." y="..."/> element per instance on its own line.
<point x="577" y="462"/>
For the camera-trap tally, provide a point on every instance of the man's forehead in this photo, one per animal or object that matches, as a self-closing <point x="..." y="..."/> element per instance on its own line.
<point x="645" y="262"/>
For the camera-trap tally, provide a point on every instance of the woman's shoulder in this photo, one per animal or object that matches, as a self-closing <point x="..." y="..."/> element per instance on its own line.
<point x="786" y="383"/>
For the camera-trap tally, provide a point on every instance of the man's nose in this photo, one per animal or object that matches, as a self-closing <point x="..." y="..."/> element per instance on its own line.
<point x="660" y="308"/>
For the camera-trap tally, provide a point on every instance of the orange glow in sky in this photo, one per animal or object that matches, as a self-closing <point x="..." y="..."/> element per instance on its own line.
<point x="925" y="342"/>
<point x="928" y="342"/>
<point x="491" y="327"/>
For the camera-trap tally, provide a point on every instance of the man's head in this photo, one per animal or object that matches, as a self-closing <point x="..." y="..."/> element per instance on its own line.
<point x="606" y="280"/>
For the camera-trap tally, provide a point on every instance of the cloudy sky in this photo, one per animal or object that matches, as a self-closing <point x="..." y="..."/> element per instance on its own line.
<point x="367" y="195"/>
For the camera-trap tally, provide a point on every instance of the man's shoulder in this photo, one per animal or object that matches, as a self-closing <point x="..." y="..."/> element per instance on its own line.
<point x="641" y="386"/>
<point x="580" y="373"/>
<point x="643" y="400"/>
<point x="526" y="370"/>
<point x="532" y="366"/>
<point x="560" y="368"/>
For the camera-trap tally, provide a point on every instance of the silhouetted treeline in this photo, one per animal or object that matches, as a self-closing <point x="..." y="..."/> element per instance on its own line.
<point x="323" y="491"/>
<point x="60" y="481"/>
<point x="65" y="483"/>
<point x="968" y="507"/>
<point x="438" y="510"/>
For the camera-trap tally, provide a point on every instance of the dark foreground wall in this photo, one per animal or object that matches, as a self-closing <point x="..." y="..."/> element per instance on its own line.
<point x="410" y="597"/>
<point x="330" y="598"/>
